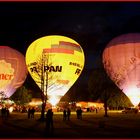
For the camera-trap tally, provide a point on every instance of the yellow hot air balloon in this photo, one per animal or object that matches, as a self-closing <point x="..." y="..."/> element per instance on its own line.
<point x="55" y="62"/>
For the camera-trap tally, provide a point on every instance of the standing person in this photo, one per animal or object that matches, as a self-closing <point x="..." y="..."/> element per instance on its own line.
<point x="68" y="113"/>
<point x="29" y="113"/>
<point x="96" y="110"/>
<point x="77" y="112"/>
<point x="7" y="112"/>
<point x="32" y="112"/>
<point x="3" y="112"/>
<point x="64" y="114"/>
<point x="49" y="122"/>
<point x="80" y="113"/>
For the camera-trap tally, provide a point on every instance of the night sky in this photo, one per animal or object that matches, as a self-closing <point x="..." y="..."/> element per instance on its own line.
<point x="91" y="24"/>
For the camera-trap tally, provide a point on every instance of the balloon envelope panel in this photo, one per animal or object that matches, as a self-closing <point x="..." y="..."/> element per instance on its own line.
<point x="58" y="61"/>
<point x="121" y="59"/>
<point x="13" y="70"/>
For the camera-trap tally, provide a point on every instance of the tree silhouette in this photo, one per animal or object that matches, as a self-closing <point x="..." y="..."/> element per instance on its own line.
<point x="101" y="87"/>
<point x="44" y="78"/>
<point x="21" y="96"/>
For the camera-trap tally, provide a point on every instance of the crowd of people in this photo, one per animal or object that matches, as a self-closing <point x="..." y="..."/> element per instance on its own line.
<point x="67" y="113"/>
<point x="49" y="116"/>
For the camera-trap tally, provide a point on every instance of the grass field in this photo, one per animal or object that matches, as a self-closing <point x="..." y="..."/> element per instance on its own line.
<point x="92" y="125"/>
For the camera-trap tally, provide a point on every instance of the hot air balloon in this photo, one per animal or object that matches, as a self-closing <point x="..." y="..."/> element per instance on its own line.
<point x="54" y="62"/>
<point x="121" y="59"/>
<point x="13" y="71"/>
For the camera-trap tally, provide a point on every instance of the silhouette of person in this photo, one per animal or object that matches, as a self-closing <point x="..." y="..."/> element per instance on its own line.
<point x="68" y="113"/>
<point x="79" y="113"/>
<point x="49" y="122"/>
<point x="3" y="112"/>
<point x="7" y="113"/>
<point x="29" y="113"/>
<point x="32" y="112"/>
<point x="64" y="114"/>
<point x="96" y="110"/>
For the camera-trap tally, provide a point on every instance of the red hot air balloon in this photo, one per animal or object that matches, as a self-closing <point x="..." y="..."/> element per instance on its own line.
<point x="121" y="59"/>
<point x="13" y="71"/>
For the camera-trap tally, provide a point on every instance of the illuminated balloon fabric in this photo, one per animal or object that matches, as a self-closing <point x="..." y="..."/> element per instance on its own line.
<point x="63" y="60"/>
<point x="13" y="70"/>
<point x="121" y="59"/>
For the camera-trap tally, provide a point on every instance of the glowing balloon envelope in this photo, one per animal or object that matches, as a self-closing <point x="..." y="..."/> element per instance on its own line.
<point x="121" y="59"/>
<point x="55" y="62"/>
<point x="13" y="71"/>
